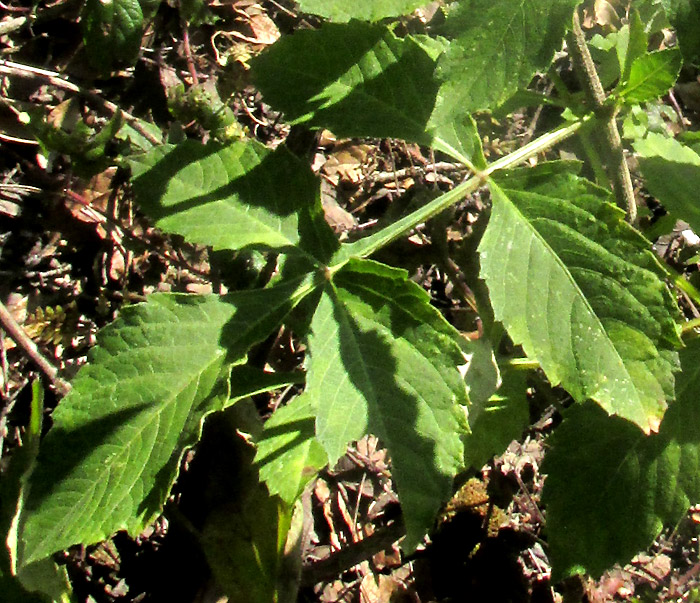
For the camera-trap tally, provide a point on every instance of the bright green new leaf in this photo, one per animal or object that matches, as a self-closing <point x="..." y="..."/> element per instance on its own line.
<point x="651" y="76"/>
<point x="230" y="196"/>
<point x="610" y="489"/>
<point x="384" y="361"/>
<point x="112" y="32"/>
<point x="366" y="10"/>
<point x="631" y="44"/>
<point x="289" y="455"/>
<point x="578" y="288"/>
<point x="498" y="47"/>
<point x="359" y="79"/>
<point x="672" y="174"/>
<point x="110" y="459"/>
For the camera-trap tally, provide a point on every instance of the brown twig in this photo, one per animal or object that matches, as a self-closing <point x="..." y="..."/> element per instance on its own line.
<point x="9" y="324"/>
<point x="353" y="554"/>
<point x="13" y="69"/>
<point x="188" y="54"/>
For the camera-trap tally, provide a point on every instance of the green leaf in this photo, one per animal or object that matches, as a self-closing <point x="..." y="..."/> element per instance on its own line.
<point x="244" y="533"/>
<point x="110" y="459"/>
<point x="579" y="289"/>
<point x="631" y="44"/>
<point x="610" y="489"/>
<point x="672" y="174"/>
<point x="228" y="197"/>
<point x="480" y="70"/>
<point x="358" y="79"/>
<point x="384" y="361"/>
<point x="289" y="455"/>
<point x="366" y="10"/>
<point x="651" y="76"/>
<point x="685" y="17"/>
<point x="498" y="421"/>
<point x="112" y="32"/>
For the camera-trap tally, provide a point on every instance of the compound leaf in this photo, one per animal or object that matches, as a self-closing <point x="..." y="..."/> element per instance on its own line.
<point x="229" y="197"/>
<point x="384" y="361"/>
<point x="359" y="79"/>
<point x="672" y="174"/>
<point x="498" y="47"/>
<point x="578" y="288"/>
<point x="110" y="459"/>
<point x="366" y="10"/>
<point x="610" y="489"/>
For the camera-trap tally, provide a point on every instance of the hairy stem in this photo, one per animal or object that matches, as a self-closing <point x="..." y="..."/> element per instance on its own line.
<point x="617" y="169"/>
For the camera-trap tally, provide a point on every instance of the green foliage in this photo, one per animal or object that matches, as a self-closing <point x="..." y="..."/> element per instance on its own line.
<point x="112" y="32"/>
<point x="367" y="10"/>
<point x="638" y="484"/>
<point x="672" y="173"/>
<point x="478" y="69"/>
<point x="564" y="276"/>
<point x="574" y="285"/>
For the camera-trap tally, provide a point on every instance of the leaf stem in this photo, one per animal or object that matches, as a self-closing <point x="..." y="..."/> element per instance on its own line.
<point x="367" y="246"/>
<point x="520" y="364"/>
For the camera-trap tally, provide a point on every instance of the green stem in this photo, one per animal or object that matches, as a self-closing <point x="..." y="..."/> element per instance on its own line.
<point x="367" y="246"/>
<point x="520" y="364"/>
<point x="618" y="170"/>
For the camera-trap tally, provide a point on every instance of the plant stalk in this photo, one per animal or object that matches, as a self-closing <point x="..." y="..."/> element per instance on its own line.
<point x="617" y="168"/>
<point x="367" y="246"/>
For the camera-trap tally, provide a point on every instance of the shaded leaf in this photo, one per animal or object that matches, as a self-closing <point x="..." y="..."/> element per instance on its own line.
<point x="579" y="289"/>
<point x="498" y="47"/>
<point x="610" y="489"/>
<point x="112" y="32"/>
<point x="289" y="455"/>
<point x="384" y="361"/>
<point x="652" y="75"/>
<point x="367" y="10"/>
<point x="229" y="197"/>
<point x="497" y="421"/>
<point x="110" y="459"/>
<point x="358" y="79"/>
<point x="672" y="174"/>
<point x="685" y="17"/>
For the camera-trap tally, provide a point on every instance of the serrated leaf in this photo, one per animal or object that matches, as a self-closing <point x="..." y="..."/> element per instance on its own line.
<point x="366" y="10"/>
<point x="359" y="79"/>
<point x="579" y="289"/>
<point x="112" y="32"/>
<point x="610" y="489"/>
<point x="384" y="361"/>
<point x="498" y="47"/>
<point x="651" y="76"/>
<point x="229" y="197"/>
<point x="289" y="455"/>
<point x="631" y="43"/>
<point x="672" y="174"/>
<point x="111" y="457"/>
